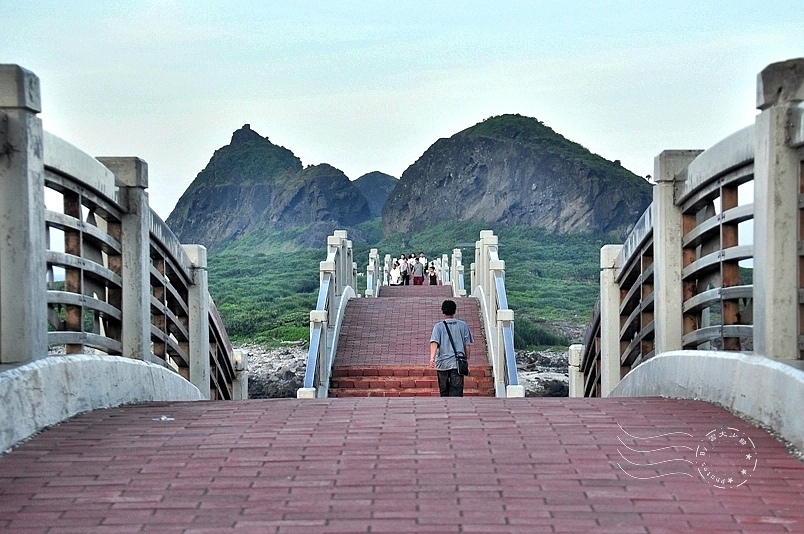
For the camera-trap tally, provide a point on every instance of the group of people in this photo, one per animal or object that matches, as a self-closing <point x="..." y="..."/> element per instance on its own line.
<point x="413" y="268"/>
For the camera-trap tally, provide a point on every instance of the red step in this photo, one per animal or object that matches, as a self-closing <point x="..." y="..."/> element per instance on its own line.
<point x="403" y="381"/>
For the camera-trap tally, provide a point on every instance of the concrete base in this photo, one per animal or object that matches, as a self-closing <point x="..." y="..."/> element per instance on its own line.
<point x="767" y="390"/>
<point x="514" y="391"/>
<point x="48" y="391"/>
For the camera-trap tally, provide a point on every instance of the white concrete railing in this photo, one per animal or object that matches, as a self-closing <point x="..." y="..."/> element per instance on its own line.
<point x="87" y="266"/>
<point x="374" y="274"/>
<point x="677" y="284"/>
<point x="338" y="277"/>
<point x="488" y="281"/>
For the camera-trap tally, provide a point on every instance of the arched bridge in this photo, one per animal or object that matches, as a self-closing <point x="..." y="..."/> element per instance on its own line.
<point x="88" y="269"/>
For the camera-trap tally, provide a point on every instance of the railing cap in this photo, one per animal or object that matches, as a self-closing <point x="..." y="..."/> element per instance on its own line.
<point x="19" y="88"/>
<point x="318" y="316"/>
<point x="505" y="315"/>
<point x="609" y="255"/>
<point x="781" y="83"/>
<point x="197" y="255"/>
<point x="130" y="171"/>
<point x="497" y="265"/>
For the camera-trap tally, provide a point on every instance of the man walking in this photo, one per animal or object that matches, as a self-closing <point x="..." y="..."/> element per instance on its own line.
<point x="442" y="355"/>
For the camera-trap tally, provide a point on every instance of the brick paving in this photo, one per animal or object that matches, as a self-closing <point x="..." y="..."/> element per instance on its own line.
<point x="384" y="345"/>
<point x="401" y="465"/>
<point x="395" y="328"/>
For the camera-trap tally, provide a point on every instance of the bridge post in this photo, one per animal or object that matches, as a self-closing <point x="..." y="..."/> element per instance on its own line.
<point x="372" y="274"/>
<point x="777" y="178"/>
<point x="610" y="362"/>
<point x="198" y="329"/>
<point x="136" y="259"/>
<point x="457" y="273"/>
<point x="667" y="231"/>
<point x="446" y="276"/>
<point x="240" y="383"/>
<point x="23" y="293"/>
<point x="575" y="373"/>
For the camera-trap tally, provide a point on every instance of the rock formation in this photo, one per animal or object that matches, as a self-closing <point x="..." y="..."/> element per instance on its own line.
<point x="513" y="170"/>
<point x="252" y="184"/>
<point x="376" y="186"/>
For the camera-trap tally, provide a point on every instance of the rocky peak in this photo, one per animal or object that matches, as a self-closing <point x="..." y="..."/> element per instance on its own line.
<point x="244" y="135"/>
<point x="513" y="170"/>
<point x="252" y="184"/>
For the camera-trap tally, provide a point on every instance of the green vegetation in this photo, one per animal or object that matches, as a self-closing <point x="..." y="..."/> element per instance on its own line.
<point x="255" y="161"/>
<point x="265" y="286"/>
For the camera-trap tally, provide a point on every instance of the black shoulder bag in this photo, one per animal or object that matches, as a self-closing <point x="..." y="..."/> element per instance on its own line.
<point x="460" y="357"/>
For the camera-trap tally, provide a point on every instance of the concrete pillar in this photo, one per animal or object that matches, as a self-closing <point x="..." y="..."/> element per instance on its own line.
<point x="446" y="276"/>
<point x="132" y="173"/>
<point x="780" y="87"/>
<point x="329" y="268"/>
<point x="240" y="383"/>
<point x="372" y="273"/>
<point x="667" y="263"/>
<point x="575" y="373"/>
<point x="198" y="304"/>
<point x="318" y="320"/>
<point x="23" y="267"/>
<point x="609" y="319"/>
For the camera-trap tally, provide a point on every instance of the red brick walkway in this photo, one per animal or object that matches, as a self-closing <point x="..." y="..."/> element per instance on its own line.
<point x="384" y="344"/>
<point x="400" y="465"/>
<point x="395" y="328"/>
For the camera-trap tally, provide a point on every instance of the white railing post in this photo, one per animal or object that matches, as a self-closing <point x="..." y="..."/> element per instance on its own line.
<point x="386" y="270"/>
<point x="240" y="382"/>
<point x="351" y="265"/>
<point x="667" y="232"/>
<point x="325" y="268"/>
<point x="198" y="319"/>
<point x="502" y="318"/>
<point x="780" y="87"/>
<point x="132" y="174"/>
<point x="319" y="318"/>
<point x="23" y="267"/>
<point x="446" y="276"/>
<point x="372" y="274"/>
<point x="575" y="373"/>
<point x="610" y="368"/>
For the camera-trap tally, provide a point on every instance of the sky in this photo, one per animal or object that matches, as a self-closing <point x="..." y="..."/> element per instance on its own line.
<point x="370" y="85"/>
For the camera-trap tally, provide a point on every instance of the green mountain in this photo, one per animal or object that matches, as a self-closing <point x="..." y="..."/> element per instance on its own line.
<point x="253" y="185"/>
<point x="512" y="170"/>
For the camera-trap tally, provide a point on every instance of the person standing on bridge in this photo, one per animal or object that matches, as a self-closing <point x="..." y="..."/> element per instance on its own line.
<point x="442" y="356"/>
<point x="418" y="272"/>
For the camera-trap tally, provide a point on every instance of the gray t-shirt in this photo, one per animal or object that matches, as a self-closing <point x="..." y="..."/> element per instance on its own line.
<point x="461" y="335"/>
<point x="418" y="269"/>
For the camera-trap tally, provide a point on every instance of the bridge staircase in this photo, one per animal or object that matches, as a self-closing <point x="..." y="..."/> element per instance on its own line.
<point x="383" y="348"/>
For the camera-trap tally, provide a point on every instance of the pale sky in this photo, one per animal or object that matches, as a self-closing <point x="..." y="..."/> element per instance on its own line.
<point x="370" y="85"/>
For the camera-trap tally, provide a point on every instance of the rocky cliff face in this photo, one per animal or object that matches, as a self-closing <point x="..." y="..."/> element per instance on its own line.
<point x="252" y="184"/>
<point x="376" y="186"/>
<point x="513" y="170"/>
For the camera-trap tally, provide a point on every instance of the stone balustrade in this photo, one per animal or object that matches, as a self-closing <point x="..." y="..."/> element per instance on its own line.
<point x="714" y="266"/>
<point x="86" y="267"/>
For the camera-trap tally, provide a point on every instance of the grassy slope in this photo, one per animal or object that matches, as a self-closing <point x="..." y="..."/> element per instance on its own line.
<point x="266" y="288"/>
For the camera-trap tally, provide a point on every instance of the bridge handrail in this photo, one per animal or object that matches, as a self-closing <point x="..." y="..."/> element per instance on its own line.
<point x="129" y="287"/>
<point x="676" y="283"/>
<point x="374" y="274"/>
<point x="454" y="276"/>
<point x="488" y="281"/>
<point x="338" y="276"/>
